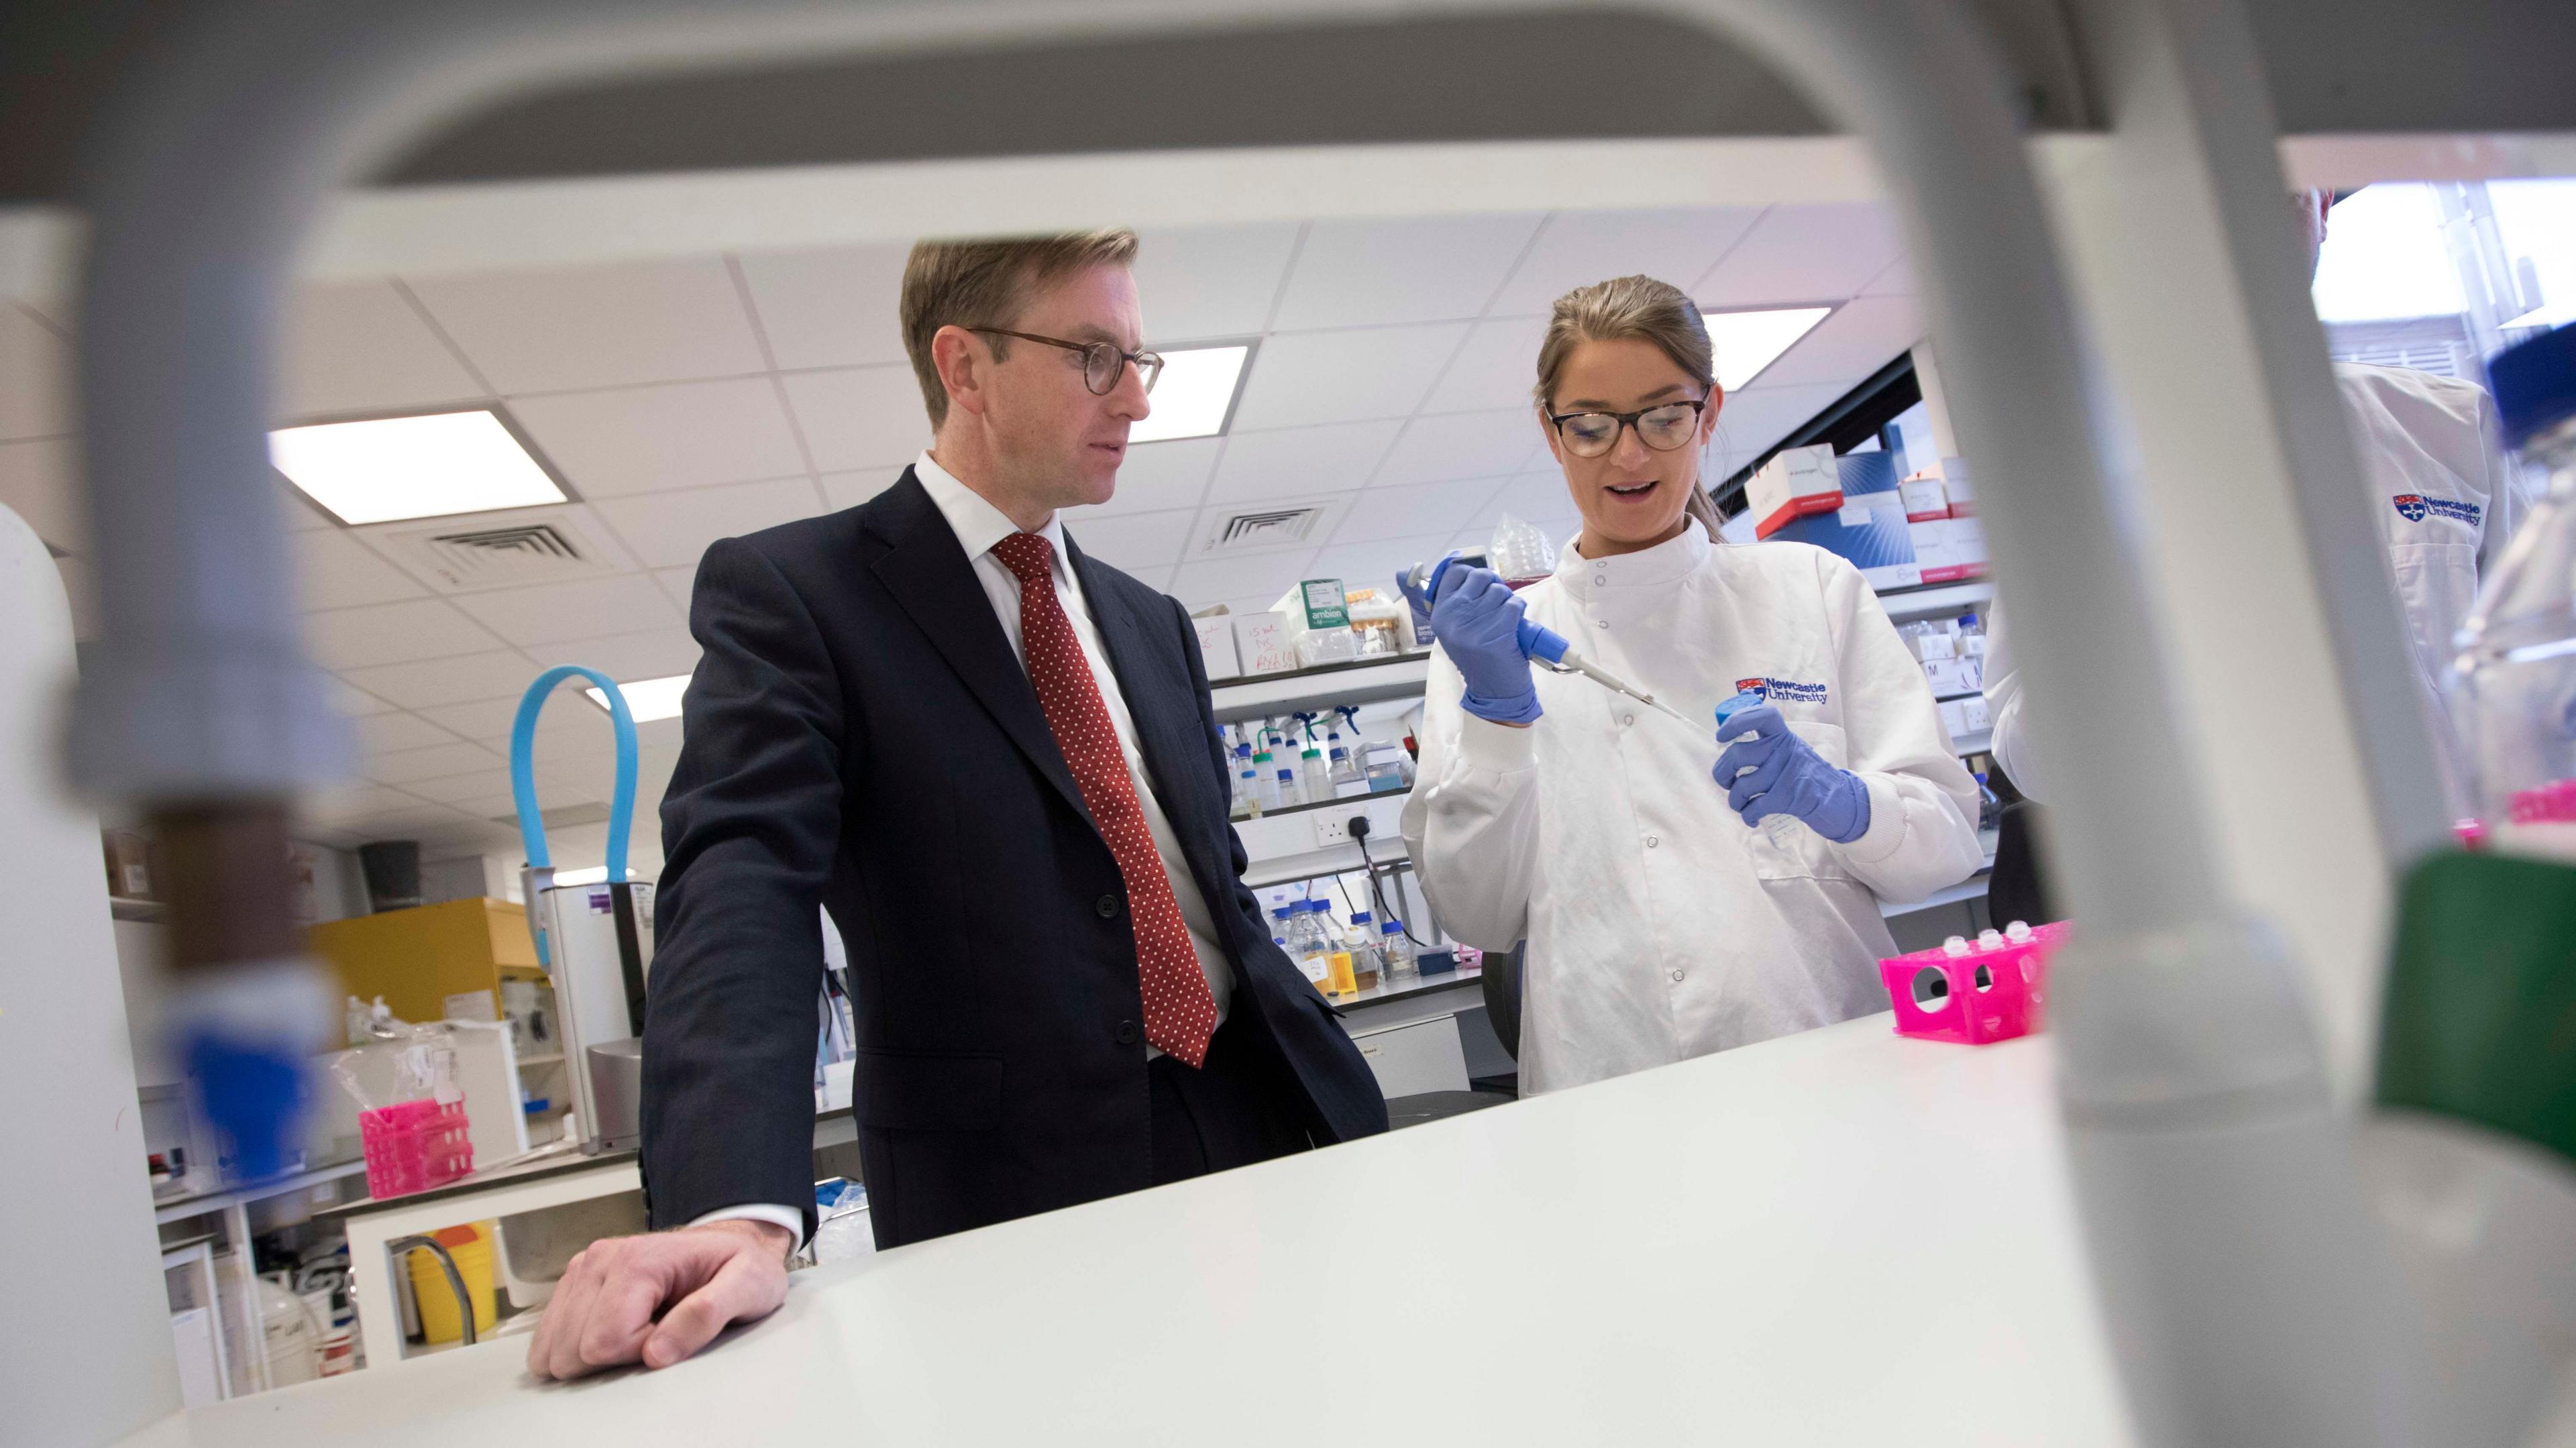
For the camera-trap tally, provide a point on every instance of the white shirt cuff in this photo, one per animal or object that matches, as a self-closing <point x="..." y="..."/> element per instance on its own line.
<point x="788" y="1217"/>
<point x="1498" y="747"/>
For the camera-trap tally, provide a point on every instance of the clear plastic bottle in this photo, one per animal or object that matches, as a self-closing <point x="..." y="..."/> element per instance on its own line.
<point x="1265" y="783"/>
<point x="1315" y="777"/>
<point x="1990" y="806"/>
<point x="1298" y="940"/>
<point x="1366" y="962"/>
<point x="1289" y="793"/>
<point x="2513" y="694"/>
<point x="1247" y="786"/>
<point x="1337" y="950"/>
<point x="1397" y="951"/>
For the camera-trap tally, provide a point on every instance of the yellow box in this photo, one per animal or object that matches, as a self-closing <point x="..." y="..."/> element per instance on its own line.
<point x="417" y="959"/>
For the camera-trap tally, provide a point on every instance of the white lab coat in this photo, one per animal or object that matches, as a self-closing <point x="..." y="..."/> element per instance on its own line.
<point x="1659" y="926"/>
<point x="2446" y="503"/>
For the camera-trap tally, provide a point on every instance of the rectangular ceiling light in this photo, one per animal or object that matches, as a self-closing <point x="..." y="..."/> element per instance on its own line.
<point x="647" y="699"/>
<point x="594" y="875"/>
<point x="1747" y="342"/>
<point x="1195" y="394"/>
<point x="392" y="468"/>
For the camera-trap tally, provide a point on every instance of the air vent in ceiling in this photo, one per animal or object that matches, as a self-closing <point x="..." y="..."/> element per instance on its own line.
<point x="1262" y="530"/>
<point x="464" y="559"/>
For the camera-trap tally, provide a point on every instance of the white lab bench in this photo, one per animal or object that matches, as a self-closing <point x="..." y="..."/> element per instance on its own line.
<point x="1836" y="1238"/>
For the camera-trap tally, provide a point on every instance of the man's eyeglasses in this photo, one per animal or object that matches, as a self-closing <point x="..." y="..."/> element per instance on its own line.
<point x="1101" y="361"/>
<point x="1663" y="427"/>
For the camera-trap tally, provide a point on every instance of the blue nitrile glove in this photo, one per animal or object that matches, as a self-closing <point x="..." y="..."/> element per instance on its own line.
<point x="1787" y="777"/>
<point x="1478" y="619"/>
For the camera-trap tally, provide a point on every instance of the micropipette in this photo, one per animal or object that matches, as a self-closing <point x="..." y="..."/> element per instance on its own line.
<point x="1544" y="646"/>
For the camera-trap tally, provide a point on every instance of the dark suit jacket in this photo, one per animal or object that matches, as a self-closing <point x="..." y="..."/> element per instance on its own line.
<point x="861" y="735"/>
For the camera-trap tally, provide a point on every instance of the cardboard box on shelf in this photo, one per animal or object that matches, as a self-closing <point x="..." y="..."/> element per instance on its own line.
<point x="1216" y="643"/>
<point x="1263" y="643"/>
<point x="1925" y="497"/>
<point x="1796" y="482"/>
<point x="1956" y="482"/>
<point x="1948" y="676"/>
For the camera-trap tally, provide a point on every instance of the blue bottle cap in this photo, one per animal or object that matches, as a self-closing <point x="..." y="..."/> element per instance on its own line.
<point x="1393" y="926"/>
<point x="1359" y="917"/>
<point x="2534" y="384"/>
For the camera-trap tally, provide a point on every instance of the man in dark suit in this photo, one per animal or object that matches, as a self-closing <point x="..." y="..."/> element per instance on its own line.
<point x="992" y="759"/>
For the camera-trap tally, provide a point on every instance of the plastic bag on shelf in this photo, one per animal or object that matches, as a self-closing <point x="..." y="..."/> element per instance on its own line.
<point x="1520" y="552"/>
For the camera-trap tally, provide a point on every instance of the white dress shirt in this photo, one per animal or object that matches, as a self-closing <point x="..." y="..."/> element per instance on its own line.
<point x="978" y="526"/>
<point x="1660" y="926"/>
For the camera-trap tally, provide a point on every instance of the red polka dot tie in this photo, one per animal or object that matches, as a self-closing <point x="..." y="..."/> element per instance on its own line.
<point x="1179" y="1013"/>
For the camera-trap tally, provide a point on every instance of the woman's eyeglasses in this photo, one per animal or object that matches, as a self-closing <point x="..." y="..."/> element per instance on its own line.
<point x="1663" y="427"/>
<point x="1101" y="361"/>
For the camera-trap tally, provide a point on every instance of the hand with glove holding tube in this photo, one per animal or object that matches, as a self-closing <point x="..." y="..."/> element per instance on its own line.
<point x="1768" y="770"/>
<point x="1478" y="621"/>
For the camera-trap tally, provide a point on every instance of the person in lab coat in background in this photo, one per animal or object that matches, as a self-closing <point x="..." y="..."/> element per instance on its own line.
<point x="1671" y="907"/>
<point x="2446" y="501"/>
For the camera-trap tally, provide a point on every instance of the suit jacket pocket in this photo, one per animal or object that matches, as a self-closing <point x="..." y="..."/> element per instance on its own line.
<point x="914" y="1091"/>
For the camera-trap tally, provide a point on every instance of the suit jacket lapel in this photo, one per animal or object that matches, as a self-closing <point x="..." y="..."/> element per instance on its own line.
<point x="930" y="576"/>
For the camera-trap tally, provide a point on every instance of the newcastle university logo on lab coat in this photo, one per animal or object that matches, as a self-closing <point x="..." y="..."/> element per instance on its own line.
<point x="1782" y="691"/>
<point x="2414" y="507"/>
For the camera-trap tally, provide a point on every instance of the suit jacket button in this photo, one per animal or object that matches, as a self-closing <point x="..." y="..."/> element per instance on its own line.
<point x="1126" y="1033"/>
<point x="1107" y="906"/>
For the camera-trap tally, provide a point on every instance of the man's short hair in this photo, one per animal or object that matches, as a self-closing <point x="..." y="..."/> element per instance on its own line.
<point x="987" y="284"/>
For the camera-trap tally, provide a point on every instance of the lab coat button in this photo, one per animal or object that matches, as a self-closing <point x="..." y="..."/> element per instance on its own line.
<point x="1107" y="906"/>
<point x="1126" y="1033"/>
<point x="1677" y="975"/>
<point x="1627" y="718"/>
<point x="1653" y="840"/>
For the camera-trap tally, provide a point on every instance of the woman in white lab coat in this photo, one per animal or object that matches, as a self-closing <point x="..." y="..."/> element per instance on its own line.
<point x="1675" y="901"/>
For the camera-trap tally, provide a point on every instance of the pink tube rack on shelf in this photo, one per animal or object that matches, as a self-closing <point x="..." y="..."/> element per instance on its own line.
<point x="412" y="1146"/>
<point x="1991" y="990"/>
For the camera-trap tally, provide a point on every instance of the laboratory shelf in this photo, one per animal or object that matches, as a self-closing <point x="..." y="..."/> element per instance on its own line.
<point x="1364" y="681"/>
<point x="1937" y="599"/>
<point x="124" y="908"/>
<point x="1975" y="741"/>
<point x="1348" y="801"/>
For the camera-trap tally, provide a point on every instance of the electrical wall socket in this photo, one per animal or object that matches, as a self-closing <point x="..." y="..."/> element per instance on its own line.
<point x="1332" y="828"/>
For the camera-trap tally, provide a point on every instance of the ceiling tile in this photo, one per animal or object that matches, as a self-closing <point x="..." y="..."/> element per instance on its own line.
<point x="624" y="657"/>
<point x="353" y="702"/>
<point x="299" y="513"/>
<point x="579" y="522"/>
<point x="39" y="481"/>
<point x="1538" y="498"/>
<point x="335" y="570"/>
<point x="1461" y="445"/>
<point x="591" y="608"/>
<point x="359" y="347"/>
<point x="670" y="530"/>
<point x="1757" y="417"/>
<point x="861" y="417"/>
<point x="1318" y="377"/>
<point x="1202" y="283"/>
<point x="499" y="806"/>
<point x="1861" y="336"/>
<point x="384" y="733"/>
<point x="489" y="721"/>
<point x="649" y="439"/>
<point x="353" y="801"/>
<point x="1135" y="542"/>
<point x="393" y="633"/>
<point x="1263" y="465"/>
<point x="455" y="789"/>
<point x="1495" y="367"/>
<point x="430" y="763"/>
<point x="1820" y="253"/>
<point x="1896" y="281"/>
<point x="1375" y="563"/>
<point x="35" y="377"/>
<point x="1264" y="576"/>
<point x="829" y="306"/>
<point x="1405" y="512"/>
<point x="850" y="489"/>
<point x="1578" y="248"/>
<point x="1416" y="269"/>
<point x="1160" y="475"/>
<point x="494" y="675"/>
<point x="567" y="328"/>
<point x="678" y="584"/>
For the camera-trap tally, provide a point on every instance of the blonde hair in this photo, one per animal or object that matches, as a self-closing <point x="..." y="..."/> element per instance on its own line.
<point x="1637" y="308"/>
<point x="986" y="284"/>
